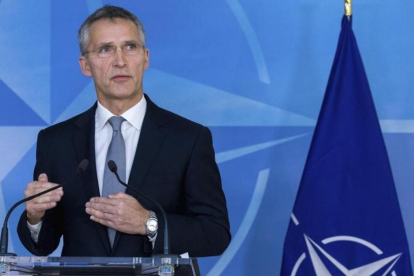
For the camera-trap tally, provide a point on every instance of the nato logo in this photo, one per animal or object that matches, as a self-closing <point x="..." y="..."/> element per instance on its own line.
<point x="321" y="259"/>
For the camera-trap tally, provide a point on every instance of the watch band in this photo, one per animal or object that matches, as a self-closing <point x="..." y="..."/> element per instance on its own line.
<point x="151" y="225"/>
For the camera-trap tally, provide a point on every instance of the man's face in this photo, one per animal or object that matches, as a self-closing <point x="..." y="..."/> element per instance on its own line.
<point x="118" y="77"/>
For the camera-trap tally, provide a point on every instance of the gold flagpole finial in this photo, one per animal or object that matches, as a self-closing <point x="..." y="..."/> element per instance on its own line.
<point x="348" y="8"/>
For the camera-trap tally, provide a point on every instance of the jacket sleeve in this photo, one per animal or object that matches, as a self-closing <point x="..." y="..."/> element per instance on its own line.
<point x="52" y="225"/>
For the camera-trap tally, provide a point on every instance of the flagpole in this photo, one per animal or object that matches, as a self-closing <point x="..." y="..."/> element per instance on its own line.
<point x="348" y="8"/>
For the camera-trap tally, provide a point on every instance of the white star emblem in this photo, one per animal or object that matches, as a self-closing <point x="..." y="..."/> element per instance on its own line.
<point x="365" y="270"/>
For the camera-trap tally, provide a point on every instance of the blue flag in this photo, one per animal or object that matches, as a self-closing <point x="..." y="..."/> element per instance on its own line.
<point x="346" y="219"/>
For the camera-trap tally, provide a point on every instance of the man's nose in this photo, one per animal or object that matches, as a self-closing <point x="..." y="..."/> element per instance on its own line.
<point x="120" y="59"/>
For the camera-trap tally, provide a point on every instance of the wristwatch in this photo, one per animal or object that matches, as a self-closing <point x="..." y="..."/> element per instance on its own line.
<point x="152" y="225"/>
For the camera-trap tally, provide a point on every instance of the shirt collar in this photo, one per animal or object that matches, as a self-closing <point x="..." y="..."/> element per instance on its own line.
<point x="134" y="115"/>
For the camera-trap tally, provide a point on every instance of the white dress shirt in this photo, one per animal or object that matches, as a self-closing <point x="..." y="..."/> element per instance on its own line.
<point x="130" y="128"/>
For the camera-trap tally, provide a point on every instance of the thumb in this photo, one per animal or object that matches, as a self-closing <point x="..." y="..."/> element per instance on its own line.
<point x="119" y="195"/>
<point x="43" y="177"/>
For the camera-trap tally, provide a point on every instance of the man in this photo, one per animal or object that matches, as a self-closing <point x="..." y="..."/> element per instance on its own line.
<point x="166" y="157"/>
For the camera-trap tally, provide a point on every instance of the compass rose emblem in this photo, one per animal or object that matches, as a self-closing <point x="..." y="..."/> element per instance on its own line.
<point x="320" y="258"/>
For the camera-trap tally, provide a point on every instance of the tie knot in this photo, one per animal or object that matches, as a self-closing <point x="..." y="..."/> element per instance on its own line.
<point x="116" y="122"/>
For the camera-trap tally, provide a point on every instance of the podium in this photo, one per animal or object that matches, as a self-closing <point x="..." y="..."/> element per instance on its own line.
<point x="82" y="266"/>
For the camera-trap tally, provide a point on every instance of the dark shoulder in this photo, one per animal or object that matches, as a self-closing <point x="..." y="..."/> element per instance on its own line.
<point x="168" y="121"/>
<point x="179" y="120"/>
<point x="181" y="134"/>
<point x="68" y="126"/>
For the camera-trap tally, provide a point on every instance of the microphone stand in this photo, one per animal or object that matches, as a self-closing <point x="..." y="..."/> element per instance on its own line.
<point x="4" y="241"/>
<point x="113" y="168"/>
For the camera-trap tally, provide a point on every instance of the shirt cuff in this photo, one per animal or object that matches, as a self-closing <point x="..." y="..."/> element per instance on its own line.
<point x="35" y="230"/>
<point x="152" y="240"/>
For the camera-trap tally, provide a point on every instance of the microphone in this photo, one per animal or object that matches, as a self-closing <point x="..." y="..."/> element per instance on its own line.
<point x="113" y="168"/>
<point x="4" y="241"/>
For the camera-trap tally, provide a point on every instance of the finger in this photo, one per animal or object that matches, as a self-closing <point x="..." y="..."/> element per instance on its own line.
<point x="102" y="221"/>
<point x="30" y="192"/>
<point x="121" y="195"/>
<point x="58" y="192"/>
<point x="42" y="185"/>
<point x="100" y="215"/>
<point x="124" y="197"/>
<point x="42" y="206"/>
<point x="43" y="177"/>
<point x="127" y="199"/>
<point x="102" y="207"/>
<point x="54" y="192"/>
<point x="104" y="200"/>
<point x="48" y="198"/>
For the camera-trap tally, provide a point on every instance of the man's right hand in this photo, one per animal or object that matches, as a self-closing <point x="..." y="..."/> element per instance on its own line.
<point x="36" y="207"/>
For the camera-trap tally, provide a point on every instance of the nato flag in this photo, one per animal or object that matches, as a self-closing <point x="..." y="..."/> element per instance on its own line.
<point x="346" y="219"/>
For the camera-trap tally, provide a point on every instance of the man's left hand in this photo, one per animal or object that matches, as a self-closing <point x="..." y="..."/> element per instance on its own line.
<point x="121" y="212"/>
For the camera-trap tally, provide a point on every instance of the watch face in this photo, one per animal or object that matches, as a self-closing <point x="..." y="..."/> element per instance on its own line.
<point x="152" y="225"/>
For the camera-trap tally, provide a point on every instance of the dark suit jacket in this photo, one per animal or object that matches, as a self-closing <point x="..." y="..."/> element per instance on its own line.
<point x="174" y="164"/>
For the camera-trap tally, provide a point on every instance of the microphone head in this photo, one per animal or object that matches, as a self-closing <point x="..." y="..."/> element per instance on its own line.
<point x="112" y="166"/>
<point x="83" y="165"/>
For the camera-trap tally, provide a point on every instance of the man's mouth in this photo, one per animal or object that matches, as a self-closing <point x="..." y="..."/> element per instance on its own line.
<point x="121" y="77"/>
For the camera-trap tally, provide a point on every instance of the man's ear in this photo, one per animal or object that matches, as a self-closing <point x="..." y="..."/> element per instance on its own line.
<point x="146" y="58"/>
<point x="84" y="65"/>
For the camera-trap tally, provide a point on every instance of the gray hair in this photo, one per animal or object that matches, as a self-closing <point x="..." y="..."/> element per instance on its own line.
<point x="107" y="12"/>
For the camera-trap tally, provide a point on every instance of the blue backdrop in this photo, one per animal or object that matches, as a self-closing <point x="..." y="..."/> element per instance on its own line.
<point x="254" y="71"/>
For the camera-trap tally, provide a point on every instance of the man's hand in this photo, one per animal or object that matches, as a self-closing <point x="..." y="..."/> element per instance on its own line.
<point x="121" y="212"/>
<point x="36" y="207"/>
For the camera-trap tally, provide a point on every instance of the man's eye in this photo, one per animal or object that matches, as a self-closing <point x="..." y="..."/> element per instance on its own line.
<point x="105" y="49"/>
<point x="130" y="47"/>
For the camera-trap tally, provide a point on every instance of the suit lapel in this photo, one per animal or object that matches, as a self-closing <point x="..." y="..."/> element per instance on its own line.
<point x="150" y="141"/>
<point x="84" y="145"/>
